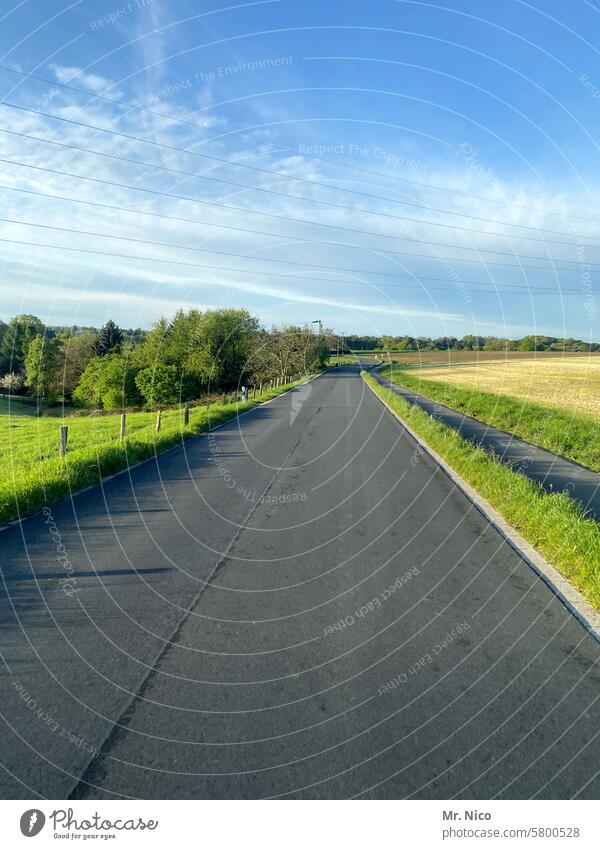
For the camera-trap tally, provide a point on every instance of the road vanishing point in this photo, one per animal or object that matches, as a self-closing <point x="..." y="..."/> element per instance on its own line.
<point x="299" y="604"/>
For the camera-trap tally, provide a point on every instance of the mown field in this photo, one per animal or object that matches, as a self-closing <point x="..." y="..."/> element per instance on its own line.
<point x="554" y="524"/>
<point x="551" y="402"/>
<point x="568" y="384"/>
<point x="33" y="474"/>
<point x="427" y="358"/>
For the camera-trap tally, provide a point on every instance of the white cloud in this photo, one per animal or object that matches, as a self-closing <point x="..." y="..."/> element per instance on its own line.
<point x="173" y="281"/>
<point x="78" y="78"/>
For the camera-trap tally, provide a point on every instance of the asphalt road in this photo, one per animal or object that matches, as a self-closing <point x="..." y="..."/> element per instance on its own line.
<point x="299" y="605"/>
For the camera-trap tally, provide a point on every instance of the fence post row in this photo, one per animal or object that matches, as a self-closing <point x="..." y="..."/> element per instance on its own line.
<point x="64" y="432"/>
<point x="269" y="384"/>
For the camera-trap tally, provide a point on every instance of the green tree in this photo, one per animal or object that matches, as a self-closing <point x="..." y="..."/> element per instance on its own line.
<point x="108" y="382"/>
<point x="529" y="343"/>
<point x="110" y="339"/>
<point x="78" y="350"/>
<point x="161" y="385"/>
<point x="16" y="339"/>
<point x="154" y="349"/>
<point x="43" y="370"/>
<point x="222" y="342"/>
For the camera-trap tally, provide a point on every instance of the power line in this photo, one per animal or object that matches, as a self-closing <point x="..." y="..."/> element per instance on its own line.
<point x="260" y="232"/>
<point x="310" y="223"/>
<point x="295" y="197"/>
<point x="333" y="204"/>
<point x="317" y="266"/>
<point x="236" y="228"/>
<point x="242" y="271"/>
<point x="126" y="104"/>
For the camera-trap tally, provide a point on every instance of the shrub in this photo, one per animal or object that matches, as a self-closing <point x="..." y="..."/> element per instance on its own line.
<point x="159" y="384"/>
<point x="108" y="382"/>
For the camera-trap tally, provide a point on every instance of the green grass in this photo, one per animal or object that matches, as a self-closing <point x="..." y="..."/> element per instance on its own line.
<point x="32" y="474"/>
<point x="573" y="435"/>
<point x="344" y="360"/>
<point x="16" y="406"/>
<point x="554" y="524"/>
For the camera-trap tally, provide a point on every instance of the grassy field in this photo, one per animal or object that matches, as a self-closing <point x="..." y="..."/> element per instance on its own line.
<point x="16" y="406"/>
<point x="343" y="360"/>
<point x="554" y="524"/>
<point x="32" y="473"/>
<point x="427" y="358"/>
<point x="546" y="402"/>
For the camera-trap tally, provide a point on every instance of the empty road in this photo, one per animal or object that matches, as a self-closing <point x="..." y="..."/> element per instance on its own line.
<point x="298" y="605"/>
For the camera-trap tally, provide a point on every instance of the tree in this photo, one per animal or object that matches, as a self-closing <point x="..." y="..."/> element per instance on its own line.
<point x="529" y="343"/>
<point x="78" y="351"/>
<point x="287" y="351"/>
<point x="43" y="367"/>
<point x="108" y="382"/>
<point x="110" y="339"/>
<point x="222" y="342"/>
<point x="162" y="385"/>
<point x="16" y="339"/>
<point x="12" y="382"/>
<point x="154" y="349"/>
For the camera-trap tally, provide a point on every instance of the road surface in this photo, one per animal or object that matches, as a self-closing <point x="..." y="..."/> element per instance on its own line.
<point x="300" y="605"/>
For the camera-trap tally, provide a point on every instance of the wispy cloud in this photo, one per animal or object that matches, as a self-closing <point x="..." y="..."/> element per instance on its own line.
<point x="226" y="229"/>
<point x="78" y="78"/>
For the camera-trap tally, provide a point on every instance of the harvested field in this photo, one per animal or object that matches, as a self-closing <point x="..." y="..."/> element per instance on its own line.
<point x="416" y="358"/>
<point x="569" y="383"/>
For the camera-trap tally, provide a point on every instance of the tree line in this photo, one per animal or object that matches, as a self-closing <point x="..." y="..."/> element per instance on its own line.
<point x="466" y="343"/>
<point x="184" y="358"/>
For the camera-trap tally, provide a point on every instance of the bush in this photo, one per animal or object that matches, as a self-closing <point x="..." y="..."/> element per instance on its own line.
<point x="159" y="385"/>
<point x="108" y="382"/>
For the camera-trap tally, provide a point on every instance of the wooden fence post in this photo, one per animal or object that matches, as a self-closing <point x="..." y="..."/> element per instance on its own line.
<point x="64" y="432"/>
<point x="186" y="413"/>
<point x="123" y="421"/>
<point x="224" y="397"/>
<point x="158" y="420"/>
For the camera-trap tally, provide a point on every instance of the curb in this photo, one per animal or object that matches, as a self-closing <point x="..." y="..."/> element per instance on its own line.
<point x="570" y="597"/>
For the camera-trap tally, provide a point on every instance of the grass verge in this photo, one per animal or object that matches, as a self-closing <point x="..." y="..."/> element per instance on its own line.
<point x="554" y="524"/>
<point x="573" y="435"/>
<point x="32" y="474"/>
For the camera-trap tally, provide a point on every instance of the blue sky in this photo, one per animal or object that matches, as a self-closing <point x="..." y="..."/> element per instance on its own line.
<point x="386" y="167"/>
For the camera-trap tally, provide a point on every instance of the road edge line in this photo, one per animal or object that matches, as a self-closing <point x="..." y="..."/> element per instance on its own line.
<point x="569" y="595"/>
